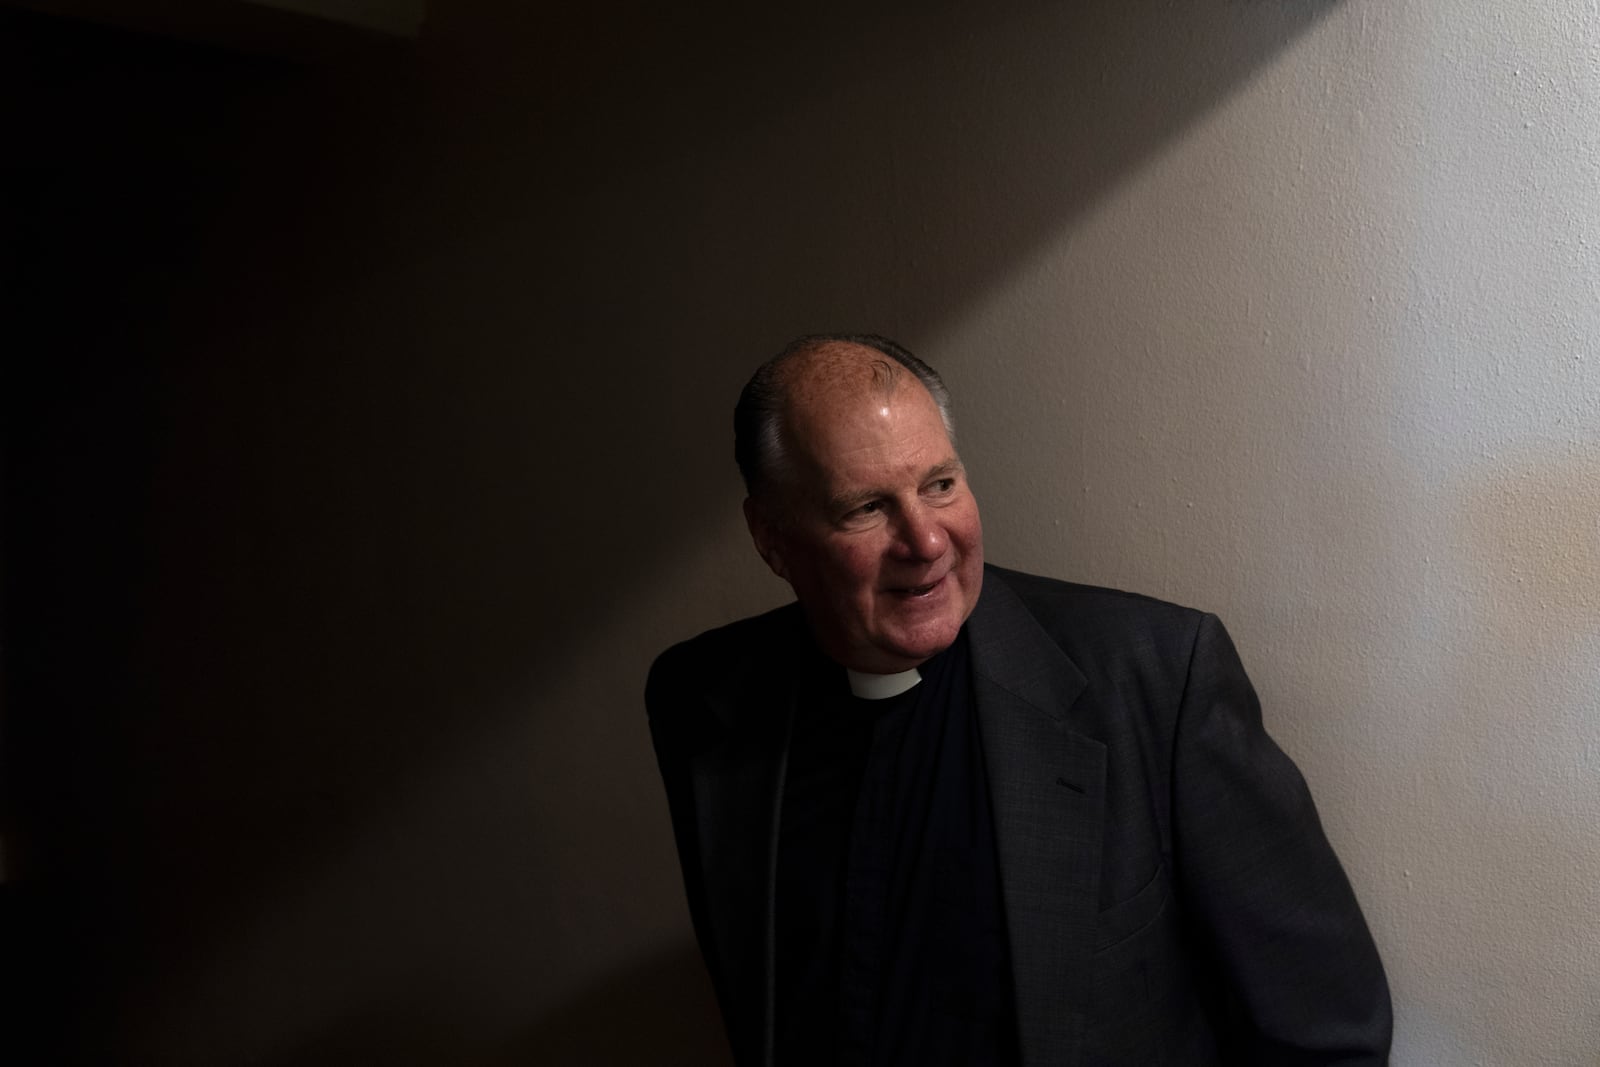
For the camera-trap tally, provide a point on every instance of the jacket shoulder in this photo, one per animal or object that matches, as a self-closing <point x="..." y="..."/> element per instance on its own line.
<point x="699" y="687"/>
<point x="724" y="652"/>
<point x="1100" y="618"/>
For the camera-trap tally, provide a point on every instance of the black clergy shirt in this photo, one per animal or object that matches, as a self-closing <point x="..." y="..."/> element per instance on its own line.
<point x="890" y="940"/>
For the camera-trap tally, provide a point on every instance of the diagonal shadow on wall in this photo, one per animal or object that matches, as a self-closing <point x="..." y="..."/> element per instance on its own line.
<point x="395" y="394"/>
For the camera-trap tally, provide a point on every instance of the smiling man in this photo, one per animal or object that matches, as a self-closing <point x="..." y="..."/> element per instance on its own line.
<point x="863" y="506"/>
<point x="941" y="813"/>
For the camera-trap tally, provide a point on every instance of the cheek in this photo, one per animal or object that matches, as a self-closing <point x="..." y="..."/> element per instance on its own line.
<point x="970" y="530"/>
<point x="856" y="570"/>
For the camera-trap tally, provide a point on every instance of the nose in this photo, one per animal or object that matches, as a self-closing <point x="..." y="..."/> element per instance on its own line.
<point x="921" y="536"/>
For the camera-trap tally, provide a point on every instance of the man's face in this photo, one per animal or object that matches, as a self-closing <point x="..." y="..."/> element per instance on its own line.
<point x="872" y="522"/>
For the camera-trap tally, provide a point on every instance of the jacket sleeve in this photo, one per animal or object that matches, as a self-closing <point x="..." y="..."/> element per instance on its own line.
<point x="687" y="734"/>
<point x="1304" y="984"/>
<point x="676" y="733"/>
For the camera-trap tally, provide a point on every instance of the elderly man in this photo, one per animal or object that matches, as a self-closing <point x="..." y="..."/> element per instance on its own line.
<point x="937" y="812"/>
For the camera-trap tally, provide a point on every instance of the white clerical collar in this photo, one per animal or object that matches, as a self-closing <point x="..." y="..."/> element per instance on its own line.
<point x="881" y="686"/>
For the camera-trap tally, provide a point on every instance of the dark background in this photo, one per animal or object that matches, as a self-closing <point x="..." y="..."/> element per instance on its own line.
<point x="363" y="405"/>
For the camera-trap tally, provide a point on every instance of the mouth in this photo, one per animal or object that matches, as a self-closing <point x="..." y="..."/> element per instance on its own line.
<point x="914" y="592"/>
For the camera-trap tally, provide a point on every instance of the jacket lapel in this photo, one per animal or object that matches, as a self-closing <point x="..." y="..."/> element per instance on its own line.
<point x="1047" y="785"/>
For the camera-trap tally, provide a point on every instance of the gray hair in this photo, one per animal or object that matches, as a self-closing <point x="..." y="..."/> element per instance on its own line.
<point x="758" y="416"/>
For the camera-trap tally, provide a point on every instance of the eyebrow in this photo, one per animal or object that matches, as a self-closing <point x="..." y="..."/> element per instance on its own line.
<point x="841" y="504"/>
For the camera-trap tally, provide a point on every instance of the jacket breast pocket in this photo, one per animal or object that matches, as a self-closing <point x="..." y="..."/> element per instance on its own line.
<point x="1143" y="1005"/>
<point x="1128" y="917"/>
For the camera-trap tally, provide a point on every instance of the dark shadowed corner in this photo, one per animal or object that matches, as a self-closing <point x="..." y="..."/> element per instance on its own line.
<point x="660" y="1013"/>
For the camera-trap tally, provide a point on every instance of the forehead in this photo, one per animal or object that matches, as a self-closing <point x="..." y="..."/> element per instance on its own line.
<point x="855" y="415"/>
<point x="834" y="371"/>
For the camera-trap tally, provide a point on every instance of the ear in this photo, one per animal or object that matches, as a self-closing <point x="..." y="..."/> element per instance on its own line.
<point x="764" y="532"/>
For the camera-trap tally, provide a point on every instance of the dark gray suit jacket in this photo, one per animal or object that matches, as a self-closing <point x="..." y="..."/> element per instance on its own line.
<point x="1170" y="896"/>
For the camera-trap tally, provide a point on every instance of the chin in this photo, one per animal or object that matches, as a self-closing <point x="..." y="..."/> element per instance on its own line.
<point x="926" y="643"/>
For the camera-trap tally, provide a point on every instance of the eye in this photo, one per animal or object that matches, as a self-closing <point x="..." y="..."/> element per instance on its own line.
<point x="862" y="512"/>
<point x="944" y="485"/>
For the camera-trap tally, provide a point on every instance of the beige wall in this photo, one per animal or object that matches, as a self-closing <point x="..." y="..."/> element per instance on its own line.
<point x="1326" y="363"/>
<point x="1287" y="311"/>
<point x="1316" y="350"/>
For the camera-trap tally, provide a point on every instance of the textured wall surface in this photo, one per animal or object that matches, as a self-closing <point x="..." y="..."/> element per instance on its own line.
<point x="398" y="444"/>
<point x="1327" y="364"/>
